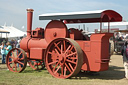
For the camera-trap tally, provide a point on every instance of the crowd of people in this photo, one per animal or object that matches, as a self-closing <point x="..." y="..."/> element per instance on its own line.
<point x="124" y="49"/>
<point x="120" y="37"/>
<point x="6" y="46"/>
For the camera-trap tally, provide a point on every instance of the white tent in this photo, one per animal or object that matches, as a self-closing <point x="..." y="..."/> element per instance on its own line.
<point x="14" y="32"/>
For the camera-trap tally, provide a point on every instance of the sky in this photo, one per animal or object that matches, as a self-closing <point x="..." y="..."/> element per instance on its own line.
<point x="14" y="11"/>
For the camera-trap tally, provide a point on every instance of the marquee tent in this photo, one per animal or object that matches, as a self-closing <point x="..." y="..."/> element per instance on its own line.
<point x="12" y="32"/>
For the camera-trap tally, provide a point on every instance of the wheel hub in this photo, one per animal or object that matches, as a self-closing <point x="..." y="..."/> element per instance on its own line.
<point x="15" y="60"/>
<point x="62" y="58"/>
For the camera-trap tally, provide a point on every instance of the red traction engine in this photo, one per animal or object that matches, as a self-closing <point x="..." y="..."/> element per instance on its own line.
<point x="64" y="51"/>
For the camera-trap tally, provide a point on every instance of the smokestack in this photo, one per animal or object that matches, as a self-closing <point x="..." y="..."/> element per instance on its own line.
<point x="29" y="21"/>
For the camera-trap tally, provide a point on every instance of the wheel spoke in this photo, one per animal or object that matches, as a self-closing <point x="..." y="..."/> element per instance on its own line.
<point x="64" y="45"/>
<point x="68" y="67"/>
<point x="61" y="47"/>
<point x="71" y="54"/>
<point x="13" y="54"/>
<point x="19" y="54"/>
<point x="57" y="70"/>
<point x="11" y="62"/>
<point x="34" y="64"/>
<point x="72" y="58"/>
<point x="15" y="67"/>
<point x="70" y="61"/>
<point x="56" y="45"/>
<point x="57" y="52"/>
<point x="65" y="71"/>
<point x="50" y="53"/>
<point x="52" y="62"/>
<point x="56" y="66"/>
<point x="68" y="48"/>
<point x="62" y="70"/>
<point x="21" y="58"/>
<point x="11" y="57"/>
<point x="20" y="63"/>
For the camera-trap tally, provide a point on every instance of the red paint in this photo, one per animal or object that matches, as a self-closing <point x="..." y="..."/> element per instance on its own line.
<point x="67" y="51"/>
<point x="55" y="29"/>
<point x="106" y="16"/>
<point x="29" y="21"/>
<point x="96" y="52"/>
<point x="38" y="33"/>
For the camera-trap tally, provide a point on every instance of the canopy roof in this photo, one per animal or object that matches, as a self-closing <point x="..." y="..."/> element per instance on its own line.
<point x="4" y="31"/>
<point x="84" y="17"/>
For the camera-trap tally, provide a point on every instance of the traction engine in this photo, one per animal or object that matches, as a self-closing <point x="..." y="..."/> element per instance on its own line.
<point x="64" y="51"/>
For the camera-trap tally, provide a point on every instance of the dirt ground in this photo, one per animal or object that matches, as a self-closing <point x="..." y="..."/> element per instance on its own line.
<point x="113" y="76"/>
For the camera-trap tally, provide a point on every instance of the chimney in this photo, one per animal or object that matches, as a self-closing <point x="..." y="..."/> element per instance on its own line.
<point x="29" y="21"/>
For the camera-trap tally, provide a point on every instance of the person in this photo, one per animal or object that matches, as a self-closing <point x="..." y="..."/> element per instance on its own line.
<point x="8" y="48"/>
<point x="12" y="43"/>
<point x="18" y="44"/>
<point x="120" y="39"/>
<point x="124" y="53"/>
<point x="3" y="52"/>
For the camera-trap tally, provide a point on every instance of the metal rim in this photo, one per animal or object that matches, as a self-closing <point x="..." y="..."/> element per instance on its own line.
<point x="16" y="60"/>
<point x="36" y="65"/>
<point x="63" y="58"/>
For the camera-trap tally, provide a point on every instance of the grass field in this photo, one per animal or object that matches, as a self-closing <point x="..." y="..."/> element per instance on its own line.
<point x="114" y="76"/>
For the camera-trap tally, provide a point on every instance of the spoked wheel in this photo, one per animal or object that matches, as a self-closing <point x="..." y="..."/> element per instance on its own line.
<point x="63" y="58"/>
<point x="36" y="65"/>
<point x="16" y="60"/>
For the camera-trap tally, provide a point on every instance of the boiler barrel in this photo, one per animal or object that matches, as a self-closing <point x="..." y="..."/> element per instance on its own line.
<point x="37" y="43"/>
<point x="27" y="43"/>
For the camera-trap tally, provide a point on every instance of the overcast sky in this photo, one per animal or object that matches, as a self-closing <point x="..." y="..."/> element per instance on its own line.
<point x="14" y="11"/>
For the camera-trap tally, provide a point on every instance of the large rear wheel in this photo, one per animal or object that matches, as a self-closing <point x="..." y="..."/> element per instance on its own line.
<point x="63" y="58"/>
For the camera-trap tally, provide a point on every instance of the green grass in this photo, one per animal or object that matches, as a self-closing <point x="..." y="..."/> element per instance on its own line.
<point x="114" y="76"/>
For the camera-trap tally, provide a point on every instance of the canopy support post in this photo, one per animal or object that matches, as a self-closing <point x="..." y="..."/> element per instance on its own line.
<point x="100" y="25"/>
<point x="108" y="26"/>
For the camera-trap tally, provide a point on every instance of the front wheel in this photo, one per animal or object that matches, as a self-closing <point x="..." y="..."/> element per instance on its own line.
<point x="16" y="60"/>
